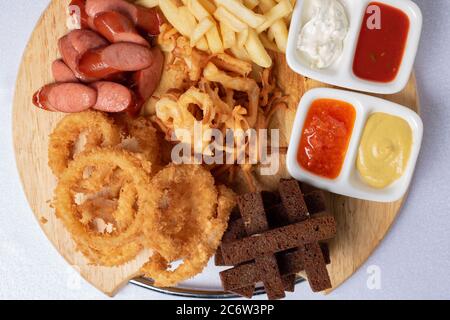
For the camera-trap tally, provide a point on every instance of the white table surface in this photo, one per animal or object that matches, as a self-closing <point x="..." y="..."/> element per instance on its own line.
<point x="414" y="258"/>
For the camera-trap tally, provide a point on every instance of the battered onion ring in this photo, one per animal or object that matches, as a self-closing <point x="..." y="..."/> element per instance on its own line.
<point x="100" y="129"/>
<point x="183" y="204"/>
<point x="197" y="254"/>
<point x="144" y="133"/>
<point x="177" y="116"/>
<point x="120" y="246"/>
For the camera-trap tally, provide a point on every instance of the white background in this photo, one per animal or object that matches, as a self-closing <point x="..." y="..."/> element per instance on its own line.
<point x="414" y="258"/>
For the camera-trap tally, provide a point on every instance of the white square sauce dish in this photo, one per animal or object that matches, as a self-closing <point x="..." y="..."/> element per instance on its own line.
<point x="354" y="144"/>
<point x="361" y="45"/>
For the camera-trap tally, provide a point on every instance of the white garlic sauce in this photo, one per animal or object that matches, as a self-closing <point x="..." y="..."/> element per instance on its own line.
<point x="321" y="38"/>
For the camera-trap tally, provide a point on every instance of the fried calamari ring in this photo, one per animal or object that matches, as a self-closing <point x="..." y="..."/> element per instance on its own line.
<point x="179" y="116"/>
<point x="125" y="242"/>
<point x="196" y="254"/>
<point x="183" y="204"/>
<point x="99" y="128"/>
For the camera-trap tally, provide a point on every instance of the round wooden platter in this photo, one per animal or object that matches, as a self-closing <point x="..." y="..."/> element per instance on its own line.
<point x="361" y="224"/>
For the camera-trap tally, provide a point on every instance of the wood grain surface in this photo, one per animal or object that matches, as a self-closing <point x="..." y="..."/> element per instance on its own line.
<point x="361" y="224"/>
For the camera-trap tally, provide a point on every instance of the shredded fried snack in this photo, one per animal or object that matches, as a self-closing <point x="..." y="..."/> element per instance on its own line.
<point x="179" y="116"/>
<point x="100" y="131"/>
<point x="232" y="64"/>
<point x="119" y="238"/>
<point x="243" y="96"/>
<point x="195" y="249"/>
<point x="213" y="74"/>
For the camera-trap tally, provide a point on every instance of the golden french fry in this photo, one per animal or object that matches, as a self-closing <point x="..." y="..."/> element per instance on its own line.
<point x="266" y="5"/>
<point x="282" y="9"/>
<point x="214" y="41"/>
<point x="256" y="50"/>
<point x="226" y="17"/>
<point x="240" y="53"/>
<point x="242" y="38"/>
<point x="197" y="9"/>
<point x="208" y="5"/>
<point x="278" y="32"/>
<point x="148" y="3"/>
<point x="270" y="45"/>
<point x="202" y="44"/>
<point x="202" y="28"/>
<point x="187" y="18"/>
<point x="251" y="4"/>
<point x="170" y="11"/>
<point x="270" y="35"/>
<point x="228" y="36"/>
<point x="245" y="14"/>
<point x="188" y="26"/>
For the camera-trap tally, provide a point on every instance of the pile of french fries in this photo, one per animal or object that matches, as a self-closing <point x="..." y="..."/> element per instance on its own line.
<point x="248" y="28"/>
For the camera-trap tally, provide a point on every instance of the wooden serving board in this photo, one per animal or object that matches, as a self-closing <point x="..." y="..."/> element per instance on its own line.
<point x="361" y="224"/>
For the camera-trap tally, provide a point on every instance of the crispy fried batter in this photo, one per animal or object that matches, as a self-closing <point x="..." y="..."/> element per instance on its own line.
<point x="125" y="241"/>
<point x="140" y="136"/>
<point x="100" y="131"/>
<point x="196" y="252"/>
<point x="184" y="201"/>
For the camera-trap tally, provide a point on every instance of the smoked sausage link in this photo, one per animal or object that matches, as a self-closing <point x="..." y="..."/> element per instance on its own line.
<point x="149" y="20"/>
<point x="116" y="27"/>
<point x="147" y="80"/>
<point x="118" y="57"/>
<point x="127" y="56"/>
<point x="112" y="97"/>
<point x="73" y="45"/>
<point x="65" y="97"/>
<point x="62" y="73"/>
<point x="92" y="65"/>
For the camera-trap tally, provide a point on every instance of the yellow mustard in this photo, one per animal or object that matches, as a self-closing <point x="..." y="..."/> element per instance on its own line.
<point x="384" y="150"/>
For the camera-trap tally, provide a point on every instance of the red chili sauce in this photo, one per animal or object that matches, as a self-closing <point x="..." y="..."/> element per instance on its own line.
<point x="326" y="134"/>
<point x="379" y="52"/>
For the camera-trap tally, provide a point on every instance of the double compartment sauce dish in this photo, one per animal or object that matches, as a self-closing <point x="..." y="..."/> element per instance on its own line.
<point x="354" y="144"/>
<point x="367" y="45"/>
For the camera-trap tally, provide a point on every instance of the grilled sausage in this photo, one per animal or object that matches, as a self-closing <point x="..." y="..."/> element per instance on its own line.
<point x="65" y="97"/>
<point x="62" y="73"/>
<point x="116" y="27"/>
<point x="112" y="97"/>
<point x="92" y="65"/>
<point x="127" y="56"/>
<point x="147" y="80"/>
<point x="146" y="19"/>
<point x="119" y="57"/>
<point x="73" y="45"/>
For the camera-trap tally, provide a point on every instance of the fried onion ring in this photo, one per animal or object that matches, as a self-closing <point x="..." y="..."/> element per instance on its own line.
<point x="183" y="203"/>
<point x="178" y="116"/>
<point x="125" y="242"/>
<point x="140" y="137"/>
<point x="99" y="128"/>
<point x="197" y="253"/>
